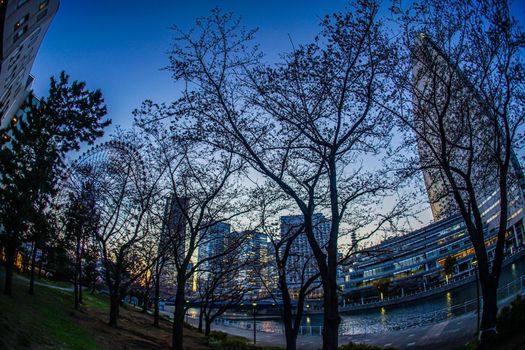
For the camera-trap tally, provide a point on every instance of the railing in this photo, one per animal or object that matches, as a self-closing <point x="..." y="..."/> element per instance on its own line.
<point x="457" y="281"/>
<point x="371" y="325"/>
<point x="428" y="290"/>
<point x="411" y="321"/>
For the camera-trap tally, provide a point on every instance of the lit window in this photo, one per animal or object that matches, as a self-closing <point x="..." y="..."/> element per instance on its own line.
<point x="21" y="21"/>
<point x="43" y="4"/>
<point x="19" y="33"/>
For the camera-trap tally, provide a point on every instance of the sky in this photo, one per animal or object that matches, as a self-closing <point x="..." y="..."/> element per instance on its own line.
<point x="121" y="46"/>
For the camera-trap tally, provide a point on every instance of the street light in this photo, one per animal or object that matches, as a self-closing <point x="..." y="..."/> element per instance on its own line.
<point x="474" y="263"/>
<point x="254" y="304"/>
<point x="187" y="309"/>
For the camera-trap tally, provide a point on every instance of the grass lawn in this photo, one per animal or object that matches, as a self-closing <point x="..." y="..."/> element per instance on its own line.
<point x="47" y="320"/>
<point x="43" y="320"/>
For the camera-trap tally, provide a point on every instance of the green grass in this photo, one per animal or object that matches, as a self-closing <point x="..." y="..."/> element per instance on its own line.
<point x="44" y="320"/>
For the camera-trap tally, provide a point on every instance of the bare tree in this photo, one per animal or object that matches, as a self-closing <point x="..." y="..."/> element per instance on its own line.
<point x="221" y="286"/>
<point x="285" y="264"/>
<point x="123" y="201"/>
<point x="80" y="226"/>
<point x="461" y="103"/>
<point x="309" y="125"/>
<point x="202" y="184"/>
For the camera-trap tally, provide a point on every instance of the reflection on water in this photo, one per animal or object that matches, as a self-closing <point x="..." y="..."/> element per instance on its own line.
<point x="396" y="316"/>
<point x="449" y="304"/>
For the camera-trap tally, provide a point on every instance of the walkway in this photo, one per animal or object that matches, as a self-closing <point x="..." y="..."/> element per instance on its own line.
<point x="37" y="283"/>
<point x="447" y="334"/>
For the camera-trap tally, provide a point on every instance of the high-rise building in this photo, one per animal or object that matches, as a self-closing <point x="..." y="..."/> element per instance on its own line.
<point x="438" y="83"/>
<point x="254" y="272"/>
<point x="172" y="240"/>
<point x="23" y="26"/>
<point x="302" y="264"/>
<point x="213" y="242"/>
<point x="173" y="235"/>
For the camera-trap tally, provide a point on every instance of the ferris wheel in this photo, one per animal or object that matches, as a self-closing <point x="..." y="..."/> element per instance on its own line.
<point x="103" y="162"/>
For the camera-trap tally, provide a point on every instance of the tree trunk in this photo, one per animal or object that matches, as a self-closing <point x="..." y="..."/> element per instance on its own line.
<point x="32" y="276"/>
<point x="291" y="339"/>
<point x="331" y="317"/>
<point x="10" y="256"/>
<point x="207" y="328"/>
<point x="114" y="304"/>
<point x="40" y="266"/>
<point x="75" y="291"/>
<point x="178" y="317"/>
<point x="156" y="310"/>
<point x="290" y="335"/>
<point x="145" y="303"/>
<point x="489" y="313"/>
<point x="80" y="281"/>
<point x="201" y="316"/>
<point x="76" y="278"/>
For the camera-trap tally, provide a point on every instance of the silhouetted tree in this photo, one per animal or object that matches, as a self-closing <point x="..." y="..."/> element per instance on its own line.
<point x="202" y="186"/>
<point x="32" y="156"/>
<point x="461" y="102"/>
<point x="307" y="125"/>
<point x="221" y="286"/>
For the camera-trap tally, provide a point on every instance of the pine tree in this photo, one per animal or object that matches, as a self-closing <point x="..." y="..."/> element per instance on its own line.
<point x="31" y="158"/>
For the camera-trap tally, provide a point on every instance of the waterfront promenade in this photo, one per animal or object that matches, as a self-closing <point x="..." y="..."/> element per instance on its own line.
<point x="444" y="335"/>
<point x="447" y="334"/>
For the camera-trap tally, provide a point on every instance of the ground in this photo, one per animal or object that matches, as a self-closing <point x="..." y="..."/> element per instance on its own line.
<point x="48" y="320"/>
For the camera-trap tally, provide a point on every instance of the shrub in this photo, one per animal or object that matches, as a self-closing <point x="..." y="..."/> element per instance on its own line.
<point x="511" y="318"/>
<point x="223" y="341"/>
<point x="354" y="346"/>
<point x="220" y="336"/>
<point x="234" y="343"/>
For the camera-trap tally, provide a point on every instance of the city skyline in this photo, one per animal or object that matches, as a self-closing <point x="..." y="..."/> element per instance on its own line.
<point x="363" y="190"/>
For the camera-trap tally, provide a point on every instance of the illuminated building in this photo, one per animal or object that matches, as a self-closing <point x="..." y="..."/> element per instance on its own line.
<point x="301" y="262"/>
<point x="24" y="24"/>
<point x="446" y="105"/>
<point x="414" y="262"/>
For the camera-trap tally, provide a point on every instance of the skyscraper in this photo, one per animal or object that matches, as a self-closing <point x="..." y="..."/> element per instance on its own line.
<point x="255" y="257"/>
<point x="213" y="242"/>
<point x="24" y="24"/>
<point x="452" y="122"/>
<point x="172" y="240"/>
<point x="301" y="255"/>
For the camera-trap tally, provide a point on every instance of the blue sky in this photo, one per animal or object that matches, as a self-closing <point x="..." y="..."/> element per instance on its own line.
<point x="120" y="46"/>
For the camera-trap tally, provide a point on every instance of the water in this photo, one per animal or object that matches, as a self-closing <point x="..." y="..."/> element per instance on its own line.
<point x="428" y="310"/>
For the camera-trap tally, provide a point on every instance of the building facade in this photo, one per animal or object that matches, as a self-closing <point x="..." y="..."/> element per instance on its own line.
<point x="415" y="262"/>
<point x="255" y="271"/>
<point x="173" y="241"/>
<point x="301" y="263"/>
<point x="24" y="24"/>
<point x="213" y="242"/>
<point x="444" y="98"/>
